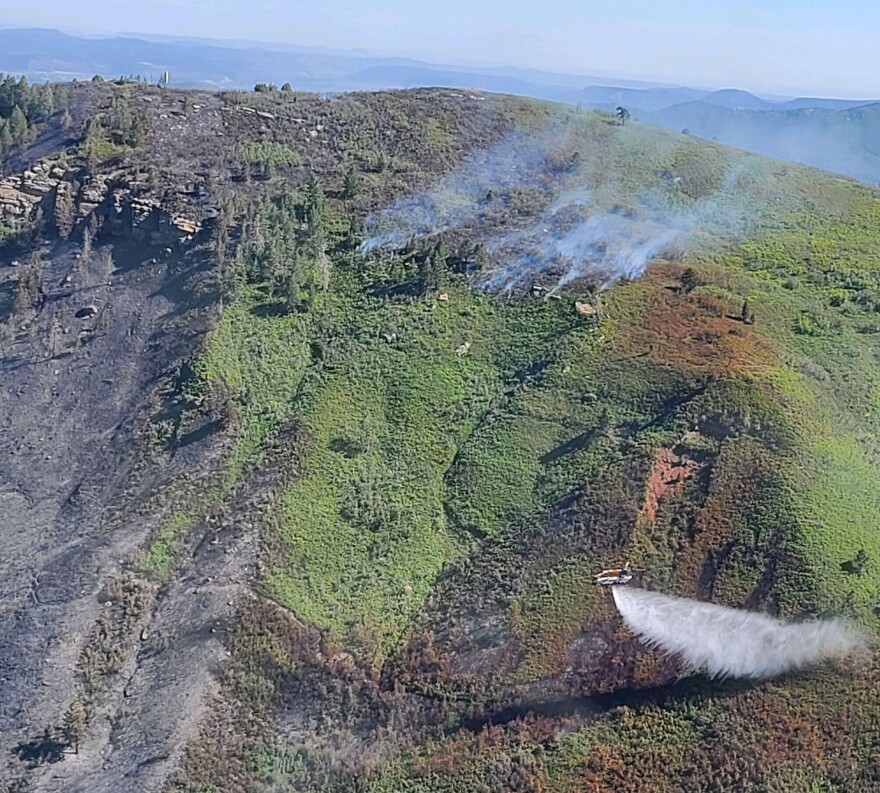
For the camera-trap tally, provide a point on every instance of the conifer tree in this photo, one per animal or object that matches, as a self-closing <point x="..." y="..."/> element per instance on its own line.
<point x="350" y="184"/>
<point x="74" y="724"/>
<point x="18" y="126"/>
<point x="5" y="138"/>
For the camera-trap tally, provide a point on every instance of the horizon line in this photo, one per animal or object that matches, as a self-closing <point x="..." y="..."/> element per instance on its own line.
<point x="643" y="82"/>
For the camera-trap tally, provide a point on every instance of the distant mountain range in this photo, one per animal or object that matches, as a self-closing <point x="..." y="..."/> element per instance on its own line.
<point x="49" y="54"/>
<point x="835" y="134"/>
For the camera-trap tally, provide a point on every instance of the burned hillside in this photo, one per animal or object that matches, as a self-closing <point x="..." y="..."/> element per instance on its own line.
<point x="320" y="414"/>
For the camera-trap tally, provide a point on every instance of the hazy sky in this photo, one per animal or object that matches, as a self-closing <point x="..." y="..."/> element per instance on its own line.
<point x="792" y="46"/>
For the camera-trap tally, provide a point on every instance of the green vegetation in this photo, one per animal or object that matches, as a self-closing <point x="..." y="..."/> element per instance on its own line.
<point x="460" y="464"/>
<point x="389" y="401"/>
<point x="257" y="364"/>
<point x="23" y="108"/>
<point x="161" y="554"/>
<point x="114" y="130"/>
<point x="268" y="153"/>
<point x="365" y="527"/>
<point x="74" y="724"/>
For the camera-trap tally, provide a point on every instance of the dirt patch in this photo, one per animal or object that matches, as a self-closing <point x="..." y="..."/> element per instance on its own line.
<point x="669" y="474"/>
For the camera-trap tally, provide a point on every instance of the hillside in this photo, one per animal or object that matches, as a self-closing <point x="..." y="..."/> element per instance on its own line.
<point x="736" y="100"/>
<point x="320" y="415"/>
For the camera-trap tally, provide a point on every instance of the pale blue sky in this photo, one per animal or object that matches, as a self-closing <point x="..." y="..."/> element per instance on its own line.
<point x="806" y="46"/>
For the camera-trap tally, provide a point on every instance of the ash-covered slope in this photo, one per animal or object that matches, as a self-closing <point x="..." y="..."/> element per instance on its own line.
<point x="108" y="294"/>
<point x="110" y="282"/>
<point x="77" y="394"/>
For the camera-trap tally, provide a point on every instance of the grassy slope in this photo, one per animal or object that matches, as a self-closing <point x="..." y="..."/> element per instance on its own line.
<point x="416" y="452"/>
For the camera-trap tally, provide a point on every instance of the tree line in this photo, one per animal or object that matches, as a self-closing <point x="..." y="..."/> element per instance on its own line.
<point x="23" y="107"/>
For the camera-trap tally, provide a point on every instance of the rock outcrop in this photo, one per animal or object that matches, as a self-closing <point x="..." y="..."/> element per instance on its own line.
<point x="55" y="189"/>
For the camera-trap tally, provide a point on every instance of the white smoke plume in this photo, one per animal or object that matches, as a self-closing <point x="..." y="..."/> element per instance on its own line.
<point x="571" y="240"/>
<point x="727" y="642"/>
<point x="577" y="227"/>
<point x="577" y="236"/>
<point x="573" y="236"/>
<point x="461" y="197"/>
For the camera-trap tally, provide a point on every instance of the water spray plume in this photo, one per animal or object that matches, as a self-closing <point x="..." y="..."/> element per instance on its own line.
<point x="727" y="642"/>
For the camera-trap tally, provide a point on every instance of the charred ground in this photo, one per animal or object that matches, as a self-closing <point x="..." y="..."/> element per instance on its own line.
<point x="281" y="518"/>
